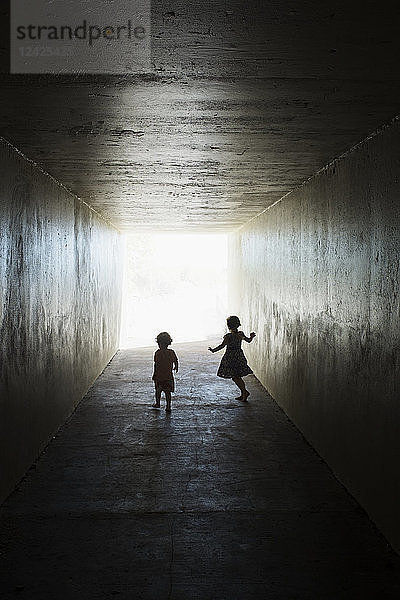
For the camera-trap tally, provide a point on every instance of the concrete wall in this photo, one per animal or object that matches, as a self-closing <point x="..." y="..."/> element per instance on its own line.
<point x="317" y="277"/>
<point x="59" y="303"/>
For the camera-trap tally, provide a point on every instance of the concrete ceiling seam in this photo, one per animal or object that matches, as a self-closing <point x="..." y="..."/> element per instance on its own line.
<point x="55" y="181"/>
<point x="329" y="165"/>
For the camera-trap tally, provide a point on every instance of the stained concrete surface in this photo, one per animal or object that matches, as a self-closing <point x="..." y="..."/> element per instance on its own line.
<point x="316" y="277"/>
<point x="219" y="500"/>
<point x="60" y="289"/>
<point x="243" y="101"/>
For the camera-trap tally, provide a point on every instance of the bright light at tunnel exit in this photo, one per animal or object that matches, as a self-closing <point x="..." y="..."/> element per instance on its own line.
<point x="175" y="283"/>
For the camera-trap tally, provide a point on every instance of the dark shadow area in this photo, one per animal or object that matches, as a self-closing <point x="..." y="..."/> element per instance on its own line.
<point x="219" y="499"/>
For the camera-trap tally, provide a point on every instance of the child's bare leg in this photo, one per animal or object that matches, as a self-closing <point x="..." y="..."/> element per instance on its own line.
<point x="241" y="385"/>
<point x="158" y="398"/>
<point x="168" y="401"/>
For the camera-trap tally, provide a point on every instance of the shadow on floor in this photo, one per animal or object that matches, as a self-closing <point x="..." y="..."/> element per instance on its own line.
<point x="219" y="500"/>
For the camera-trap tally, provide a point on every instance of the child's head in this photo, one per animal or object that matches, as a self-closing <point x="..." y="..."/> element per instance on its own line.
<point x="164" y="339"/>
<point x="233" y="322"/>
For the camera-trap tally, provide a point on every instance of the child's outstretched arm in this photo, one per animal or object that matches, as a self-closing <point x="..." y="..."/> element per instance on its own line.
<point x="175" y="363"/>
<point x="250" y="338"/>
<point x="223" y="343"/>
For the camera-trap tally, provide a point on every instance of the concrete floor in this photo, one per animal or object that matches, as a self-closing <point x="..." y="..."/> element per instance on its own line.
<point x="218" y="500"/>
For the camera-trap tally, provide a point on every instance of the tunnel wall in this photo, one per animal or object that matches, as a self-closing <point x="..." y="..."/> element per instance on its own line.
<point x="60" y="287"/>
<point x="317" y="278"/>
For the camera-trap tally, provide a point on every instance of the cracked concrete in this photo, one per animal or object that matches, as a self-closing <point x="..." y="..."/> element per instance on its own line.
<point x="218" y="500"/>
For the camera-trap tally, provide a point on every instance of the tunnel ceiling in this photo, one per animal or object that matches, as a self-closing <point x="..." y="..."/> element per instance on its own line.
<point x="245" y="101"/>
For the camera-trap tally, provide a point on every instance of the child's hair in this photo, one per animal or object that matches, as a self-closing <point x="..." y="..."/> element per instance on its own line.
<point x="164" y="339"/>
<point x="233" y="322"/>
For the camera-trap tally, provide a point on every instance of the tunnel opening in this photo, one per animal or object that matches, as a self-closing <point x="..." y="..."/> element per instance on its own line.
<point x="175" y="283"/>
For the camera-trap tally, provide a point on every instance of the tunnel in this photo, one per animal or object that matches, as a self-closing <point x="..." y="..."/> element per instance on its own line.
<point x="271" y="125"/>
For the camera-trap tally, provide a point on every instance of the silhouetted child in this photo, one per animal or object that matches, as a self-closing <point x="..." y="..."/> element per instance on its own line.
<point x="164" y="360"/>
<point x="234" y="364"/>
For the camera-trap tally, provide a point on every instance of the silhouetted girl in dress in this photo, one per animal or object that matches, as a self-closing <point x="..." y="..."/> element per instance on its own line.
<point x="234" y="364"/>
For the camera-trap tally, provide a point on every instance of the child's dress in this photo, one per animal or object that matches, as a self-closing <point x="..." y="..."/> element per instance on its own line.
<point x="233" y="362"/>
